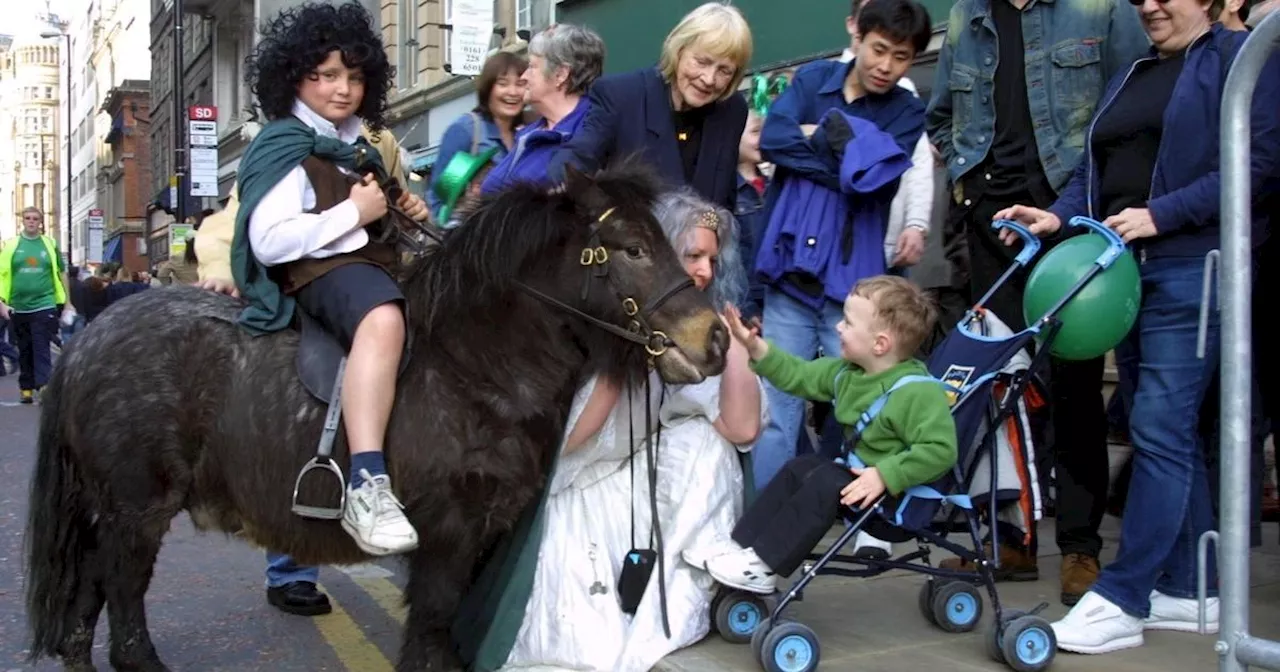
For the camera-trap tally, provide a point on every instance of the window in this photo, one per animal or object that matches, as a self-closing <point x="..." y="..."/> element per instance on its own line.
<point x="407" y="47"/>
<point x="524" y="14"/>
<point x="447" y="40"/>
<point x="48" y="92"/>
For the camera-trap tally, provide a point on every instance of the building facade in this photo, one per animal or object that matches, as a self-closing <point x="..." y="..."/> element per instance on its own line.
<point x="108" y="47"/>
<point x="124" y="175"/>
<point x="29" y="130"/>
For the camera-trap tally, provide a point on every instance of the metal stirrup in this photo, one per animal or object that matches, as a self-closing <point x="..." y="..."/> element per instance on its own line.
<point x="324" y="460"/>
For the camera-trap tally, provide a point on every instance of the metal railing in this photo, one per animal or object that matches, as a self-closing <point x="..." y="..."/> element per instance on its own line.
<point x="1236" y="649"/>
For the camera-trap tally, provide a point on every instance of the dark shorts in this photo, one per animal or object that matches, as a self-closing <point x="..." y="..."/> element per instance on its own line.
<point x="340" y="299"/>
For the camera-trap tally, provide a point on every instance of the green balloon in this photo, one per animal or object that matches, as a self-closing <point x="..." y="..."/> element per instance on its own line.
<point x="1104" y="310"/>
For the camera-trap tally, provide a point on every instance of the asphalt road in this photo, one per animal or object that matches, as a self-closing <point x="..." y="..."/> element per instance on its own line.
<point x="207" y="606"/>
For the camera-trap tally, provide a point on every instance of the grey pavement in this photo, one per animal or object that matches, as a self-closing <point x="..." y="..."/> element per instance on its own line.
<point x="874" y="625"/>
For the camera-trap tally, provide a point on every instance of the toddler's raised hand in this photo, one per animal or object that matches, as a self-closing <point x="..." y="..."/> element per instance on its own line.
<point x="749" y="337"/>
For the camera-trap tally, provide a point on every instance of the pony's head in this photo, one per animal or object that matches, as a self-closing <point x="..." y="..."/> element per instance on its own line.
<point x="593" y="246"/>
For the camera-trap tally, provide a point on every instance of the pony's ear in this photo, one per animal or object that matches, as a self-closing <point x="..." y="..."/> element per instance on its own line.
<point x="582" y="188"/>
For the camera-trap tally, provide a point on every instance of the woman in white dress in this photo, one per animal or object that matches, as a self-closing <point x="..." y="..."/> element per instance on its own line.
<point x="573" y="619"/>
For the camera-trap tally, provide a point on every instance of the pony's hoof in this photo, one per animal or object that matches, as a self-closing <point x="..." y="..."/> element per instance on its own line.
<point x="79" y="666"/>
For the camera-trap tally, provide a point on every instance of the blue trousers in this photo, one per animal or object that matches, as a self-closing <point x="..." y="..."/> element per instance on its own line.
<point x="800" y="330"/>
<point x="33" y="333"/>
<point x="282" y="570"/>
<point x="1169" y="504"/>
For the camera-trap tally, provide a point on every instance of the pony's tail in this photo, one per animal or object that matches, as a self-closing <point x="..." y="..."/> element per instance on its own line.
<point x="60" y="530"/>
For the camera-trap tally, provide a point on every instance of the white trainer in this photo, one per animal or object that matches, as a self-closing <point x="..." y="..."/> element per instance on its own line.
<point x="699" y="555"/>
<point x="1181" y="614"/>
<point x="375" y="518"/>
<point x="743" y="570"/>
<point x="870" y="547"/>
<point x="1097" y="625"/>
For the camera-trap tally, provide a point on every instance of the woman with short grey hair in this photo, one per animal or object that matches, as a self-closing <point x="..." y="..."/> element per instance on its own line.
<point x="564" y="61"/>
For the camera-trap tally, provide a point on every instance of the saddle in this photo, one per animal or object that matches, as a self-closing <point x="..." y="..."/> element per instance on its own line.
<point x="320" y="356"/>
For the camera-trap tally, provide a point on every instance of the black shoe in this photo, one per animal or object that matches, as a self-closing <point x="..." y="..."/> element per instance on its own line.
<point x="300" y="598"/>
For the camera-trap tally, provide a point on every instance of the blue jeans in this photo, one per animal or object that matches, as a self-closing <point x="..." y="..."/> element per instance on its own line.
<point x="1169" y="506"/>
<point x="798" y="329"/>
<point x="281" y="570"/>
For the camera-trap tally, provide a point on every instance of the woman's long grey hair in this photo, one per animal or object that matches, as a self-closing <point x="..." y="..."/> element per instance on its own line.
<point x="678" y="211"/>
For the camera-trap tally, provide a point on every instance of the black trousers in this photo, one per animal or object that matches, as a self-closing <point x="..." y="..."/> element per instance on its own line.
<point x="792" y="513"/>
<point x="1076" y="435"/>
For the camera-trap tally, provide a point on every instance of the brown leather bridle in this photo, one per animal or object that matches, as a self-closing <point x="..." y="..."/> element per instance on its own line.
<point x="594" y="258"/>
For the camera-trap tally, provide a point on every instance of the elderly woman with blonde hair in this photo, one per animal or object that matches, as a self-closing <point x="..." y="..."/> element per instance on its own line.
<point x="599" y="500"/>
<point x="683" y="117"/>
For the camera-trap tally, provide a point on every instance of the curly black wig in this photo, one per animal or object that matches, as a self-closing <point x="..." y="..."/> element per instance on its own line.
<point x="300" y="38"/>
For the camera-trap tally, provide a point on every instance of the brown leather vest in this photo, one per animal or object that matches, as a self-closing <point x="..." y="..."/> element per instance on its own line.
<point x="331" y="188"/>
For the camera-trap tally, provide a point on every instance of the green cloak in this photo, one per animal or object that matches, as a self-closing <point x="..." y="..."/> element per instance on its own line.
<point x="280" y="147"/>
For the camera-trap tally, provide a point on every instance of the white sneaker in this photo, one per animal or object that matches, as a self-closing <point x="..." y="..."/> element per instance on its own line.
<point x="699" y="555"/>
<point x="1097" y="625"/>
<point x="1181" y="614"/>
<point x="375" y="518"/>
<point x="743" y="570"/>
<point x="869" y="547"/>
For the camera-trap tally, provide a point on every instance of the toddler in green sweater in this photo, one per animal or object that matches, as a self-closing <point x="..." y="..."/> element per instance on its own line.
<point x="912" y="441"/>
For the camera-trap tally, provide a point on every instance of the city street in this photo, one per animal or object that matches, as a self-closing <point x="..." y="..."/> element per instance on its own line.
<point x="207" y="610"/>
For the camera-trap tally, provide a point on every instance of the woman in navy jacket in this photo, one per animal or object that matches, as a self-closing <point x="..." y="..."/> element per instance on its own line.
<point x="1150" y="172"/>
<point x="684" y="117"/>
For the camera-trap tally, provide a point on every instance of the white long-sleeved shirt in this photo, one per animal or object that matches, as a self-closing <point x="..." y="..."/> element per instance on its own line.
<point x="912" y="206"/>
<point x="282" y="230"/>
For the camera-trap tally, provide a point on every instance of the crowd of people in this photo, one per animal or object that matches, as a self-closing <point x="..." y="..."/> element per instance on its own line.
<point x="811" y="218"/>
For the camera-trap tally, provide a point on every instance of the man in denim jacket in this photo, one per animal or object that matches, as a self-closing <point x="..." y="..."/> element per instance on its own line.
<point x="1017" y="83"/>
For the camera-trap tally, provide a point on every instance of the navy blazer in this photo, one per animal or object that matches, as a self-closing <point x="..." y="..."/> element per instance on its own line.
<point x="631" y="114"/>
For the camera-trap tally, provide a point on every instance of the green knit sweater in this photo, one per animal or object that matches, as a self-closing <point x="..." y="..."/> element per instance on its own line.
<point x="913" y="439"/>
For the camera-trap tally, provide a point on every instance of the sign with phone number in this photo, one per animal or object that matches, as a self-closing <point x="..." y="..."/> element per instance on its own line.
<point x="472" y="22"/>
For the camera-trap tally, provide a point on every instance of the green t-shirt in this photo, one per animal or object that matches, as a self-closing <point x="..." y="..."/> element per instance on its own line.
<point x="33" y="279"/>
<point x="913" y="439"/>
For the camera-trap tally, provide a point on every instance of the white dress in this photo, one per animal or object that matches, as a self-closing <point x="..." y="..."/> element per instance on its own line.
<point x="573" y="620"/>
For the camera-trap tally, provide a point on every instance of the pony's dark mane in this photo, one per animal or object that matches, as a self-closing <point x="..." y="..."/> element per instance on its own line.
<point x="506" y="234"/>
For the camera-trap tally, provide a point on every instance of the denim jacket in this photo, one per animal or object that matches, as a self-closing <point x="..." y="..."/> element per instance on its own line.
<point x="1073" y="48"/>
<point x="467" y="129"/>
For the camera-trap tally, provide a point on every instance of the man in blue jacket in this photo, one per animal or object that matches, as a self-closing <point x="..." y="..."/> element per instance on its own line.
<point x="840" y="136"/>
<point x="1017" y="83"/>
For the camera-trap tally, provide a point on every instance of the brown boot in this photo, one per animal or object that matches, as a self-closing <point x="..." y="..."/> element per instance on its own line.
<point x="1079" y="571"/>
<point x="1015" y="564"/>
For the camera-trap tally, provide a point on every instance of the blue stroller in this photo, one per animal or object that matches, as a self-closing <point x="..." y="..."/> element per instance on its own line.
<point x="988" y="397"/>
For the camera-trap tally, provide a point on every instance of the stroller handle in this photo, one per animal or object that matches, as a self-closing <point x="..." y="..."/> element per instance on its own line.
<point x="1115" y="244"/>
<point x="1030" y="243"/>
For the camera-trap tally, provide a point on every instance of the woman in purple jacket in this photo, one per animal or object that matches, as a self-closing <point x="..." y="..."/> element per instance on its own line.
<point x="564" y="60"/>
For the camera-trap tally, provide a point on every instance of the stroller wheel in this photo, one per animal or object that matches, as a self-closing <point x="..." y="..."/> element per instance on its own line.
<point x="1029" y="644"/>
<point x="925" y="600"/>
<point x="957" y="606"/>
<point x="790" y="647"/>
<point x="995" y="637"/>
<point x="757" y="639"/>
<point x="738" y="614"/>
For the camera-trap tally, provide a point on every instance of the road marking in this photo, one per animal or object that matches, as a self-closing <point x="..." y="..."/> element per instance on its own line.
<point x="386" y="594"/>
<point x="347" y="640"/>
<point x="375" y="580"/>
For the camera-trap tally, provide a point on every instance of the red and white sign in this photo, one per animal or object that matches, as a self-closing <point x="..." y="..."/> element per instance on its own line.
<point x="202" y="113"/>
<point x="202" y="141"/>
